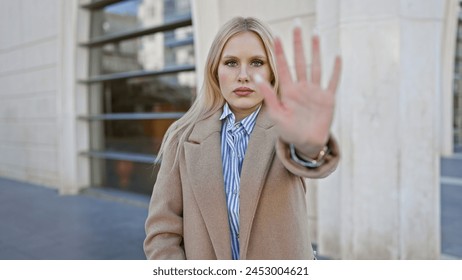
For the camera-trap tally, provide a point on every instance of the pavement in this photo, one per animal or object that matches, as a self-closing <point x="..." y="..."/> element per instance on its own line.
<point x="451" y="206"/>
<point x="37" y="223"/>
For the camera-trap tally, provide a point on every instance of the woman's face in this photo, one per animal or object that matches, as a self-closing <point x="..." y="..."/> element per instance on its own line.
<point x="243" y="56"/>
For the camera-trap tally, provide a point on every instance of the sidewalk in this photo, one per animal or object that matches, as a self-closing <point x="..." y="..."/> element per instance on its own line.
<point x="37" y="223"/>
<point x="451" y="206"/>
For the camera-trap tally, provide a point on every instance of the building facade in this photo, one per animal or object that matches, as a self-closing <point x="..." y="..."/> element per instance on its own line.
<point x="88" y="91"/>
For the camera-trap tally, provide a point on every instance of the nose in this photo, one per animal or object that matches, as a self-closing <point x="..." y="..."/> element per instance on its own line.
<point x="243" y="75"/>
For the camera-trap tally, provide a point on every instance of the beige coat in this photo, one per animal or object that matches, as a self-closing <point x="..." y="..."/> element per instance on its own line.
<point x="188" y="215"/>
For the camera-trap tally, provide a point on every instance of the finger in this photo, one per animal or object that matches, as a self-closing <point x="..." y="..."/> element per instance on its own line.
<point x="270" y="96"/>
<point x="316" y="64"/>
<point x="299" y="55"/>
<point x="335" y="78"/>
<point x="282" y="67"/>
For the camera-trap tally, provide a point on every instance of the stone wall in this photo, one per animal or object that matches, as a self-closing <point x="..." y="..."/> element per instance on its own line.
<point x="37" y="91"/>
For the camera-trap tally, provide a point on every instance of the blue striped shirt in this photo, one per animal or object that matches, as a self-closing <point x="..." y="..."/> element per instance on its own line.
<point x="234" y="141"/>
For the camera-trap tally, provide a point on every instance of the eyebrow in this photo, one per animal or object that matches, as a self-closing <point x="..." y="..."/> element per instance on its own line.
<point x="253" y="57"/>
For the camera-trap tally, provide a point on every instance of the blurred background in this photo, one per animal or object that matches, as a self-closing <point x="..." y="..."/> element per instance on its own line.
<point x="88" y="89"/>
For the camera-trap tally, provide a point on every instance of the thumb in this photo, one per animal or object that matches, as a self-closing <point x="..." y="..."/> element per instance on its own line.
<point x="270" y="96"/>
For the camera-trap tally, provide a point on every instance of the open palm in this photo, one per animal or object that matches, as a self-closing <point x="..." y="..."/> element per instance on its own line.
<point x="304" y="112"/>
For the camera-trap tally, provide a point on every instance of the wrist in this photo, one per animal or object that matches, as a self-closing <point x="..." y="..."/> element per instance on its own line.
<point x="312" y="157"/>
<point x="308" y="152"/>
<point x="310" y="149"/>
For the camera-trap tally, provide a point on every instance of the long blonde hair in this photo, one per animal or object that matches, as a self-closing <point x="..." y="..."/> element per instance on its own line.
<point x="210" y="98"/>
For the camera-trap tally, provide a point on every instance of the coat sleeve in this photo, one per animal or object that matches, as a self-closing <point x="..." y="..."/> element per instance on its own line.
<point x="329" y="165"/>
<point x="164" y="224"/>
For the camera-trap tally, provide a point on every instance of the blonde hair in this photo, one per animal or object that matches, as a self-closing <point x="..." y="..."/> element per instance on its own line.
<point x="210" y="99"/>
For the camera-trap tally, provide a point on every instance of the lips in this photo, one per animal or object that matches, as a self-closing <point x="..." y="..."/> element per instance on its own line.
<point x="243" y="91"/>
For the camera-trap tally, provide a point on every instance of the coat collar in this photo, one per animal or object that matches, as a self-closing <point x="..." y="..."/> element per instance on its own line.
<point x="204" y="167"/>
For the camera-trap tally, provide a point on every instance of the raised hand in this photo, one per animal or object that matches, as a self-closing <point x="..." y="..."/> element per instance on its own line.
<point x="304" y="111"/>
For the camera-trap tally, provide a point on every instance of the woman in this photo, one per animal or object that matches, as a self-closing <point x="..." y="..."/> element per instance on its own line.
<point x="230" y="185"/>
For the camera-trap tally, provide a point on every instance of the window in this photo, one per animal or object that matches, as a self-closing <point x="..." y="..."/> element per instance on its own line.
<point x="458" y="91"/>
<point x="141" y="79"/>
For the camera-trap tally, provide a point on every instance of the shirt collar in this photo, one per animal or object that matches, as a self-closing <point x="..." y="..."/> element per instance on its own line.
<point x="248" y="122"/>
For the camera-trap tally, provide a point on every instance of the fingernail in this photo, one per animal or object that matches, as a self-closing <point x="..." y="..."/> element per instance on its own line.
<point x="337" y="51"/>
<point x="258" y="79"/>
<point x="315" y="31"/>
<point x="297" y="22"/>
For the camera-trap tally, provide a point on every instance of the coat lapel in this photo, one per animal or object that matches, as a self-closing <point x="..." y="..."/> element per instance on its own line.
<point x="257" y="161"/>
<point x="203" y="155"/>
<point x="204" y="167"/>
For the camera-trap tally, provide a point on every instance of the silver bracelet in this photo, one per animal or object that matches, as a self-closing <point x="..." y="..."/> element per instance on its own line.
<point x="311" y="163"/>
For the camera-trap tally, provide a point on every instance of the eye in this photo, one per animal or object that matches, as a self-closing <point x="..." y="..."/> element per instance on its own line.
<point x="231" y="63"/>
<point x="257" y="62"/>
